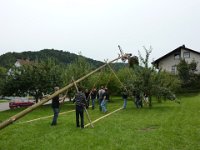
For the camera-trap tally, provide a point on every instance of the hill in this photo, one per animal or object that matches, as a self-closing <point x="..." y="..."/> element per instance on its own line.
<point x="61" y="57"/>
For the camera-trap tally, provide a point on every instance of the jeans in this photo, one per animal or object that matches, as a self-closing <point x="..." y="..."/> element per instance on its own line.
<point x="125" y="103"/>
<point x="88" y="103"/>
<point x="103" y="105"/>
<point x="93" y="103"/>
<point x="138" y="103"/>
<point x="55" y="117"/>
<point x="100" y="101"/>
<point x="79" y="112"/>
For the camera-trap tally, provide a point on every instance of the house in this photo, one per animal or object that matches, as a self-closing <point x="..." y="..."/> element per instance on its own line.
<point x="19" y="63"/>
<point x="170" y="61"/>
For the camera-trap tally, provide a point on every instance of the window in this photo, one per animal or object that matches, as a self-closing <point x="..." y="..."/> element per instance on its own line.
<point x="176" y="56"/>
<point x="173" y="69"/>
<point x="186" y="55"/>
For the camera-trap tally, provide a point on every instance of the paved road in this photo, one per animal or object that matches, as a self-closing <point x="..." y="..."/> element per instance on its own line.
<point x="4" y="106"/>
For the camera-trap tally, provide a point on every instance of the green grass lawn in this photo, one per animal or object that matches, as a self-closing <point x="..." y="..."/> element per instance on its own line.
<point x="167" y="126"/>
<point x="3" y="101"/>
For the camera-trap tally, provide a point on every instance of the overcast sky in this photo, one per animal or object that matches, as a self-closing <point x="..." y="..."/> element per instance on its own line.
<point x="96" y="27"/>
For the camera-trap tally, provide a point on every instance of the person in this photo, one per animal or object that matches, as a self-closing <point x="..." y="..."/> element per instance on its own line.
<point x="80" y="101"/>
<point x="138" y="101"/>
<point x="124" y="97"/>
<point x="55" y="106"/>
<point x="100" y="95"/>
<point x="146" y="99"/>
<point x="93" y="97"/>
<point x="87" y="95"/>
<point x="104" y="101"/>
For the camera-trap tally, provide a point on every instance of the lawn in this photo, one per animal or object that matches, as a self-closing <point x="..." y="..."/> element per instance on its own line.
<point x="167" y="126"/>
<point x="3" y="101"/>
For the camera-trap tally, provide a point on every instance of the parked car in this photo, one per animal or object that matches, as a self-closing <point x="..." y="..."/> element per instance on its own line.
<point x="20" y="103"/>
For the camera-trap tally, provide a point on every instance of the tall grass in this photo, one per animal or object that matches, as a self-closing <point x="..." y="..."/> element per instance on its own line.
<point x="167" y="126"/>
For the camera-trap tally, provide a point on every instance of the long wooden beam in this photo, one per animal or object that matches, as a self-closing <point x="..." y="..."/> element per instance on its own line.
<point x="117" y="77"/>
<point x="44" y="100"/>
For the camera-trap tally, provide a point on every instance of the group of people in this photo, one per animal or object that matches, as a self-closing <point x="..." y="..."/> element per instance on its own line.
<point x="138" y="99"/>
<point x="82" y="101"/>
<point x="101" y="95"/>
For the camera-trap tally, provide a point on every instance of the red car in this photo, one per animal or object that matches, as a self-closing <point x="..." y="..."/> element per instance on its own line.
<point x="18" y="104"/>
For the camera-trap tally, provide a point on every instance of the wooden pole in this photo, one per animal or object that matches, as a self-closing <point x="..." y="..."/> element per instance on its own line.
<point x="117" y="77"/>
<point x="46" y="99"/>
<point x="88" y="116"/>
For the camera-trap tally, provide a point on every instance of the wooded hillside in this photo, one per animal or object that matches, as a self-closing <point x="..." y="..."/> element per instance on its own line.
<point x="61" y="57"/>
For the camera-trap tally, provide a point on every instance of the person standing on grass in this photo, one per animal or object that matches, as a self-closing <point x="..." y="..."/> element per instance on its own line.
<point x="55" y="106"/>
<point x="124" y="97"/>
<point x="105" y="100"/>
<point x="138" y="100"/>
<point x="146" y="99"/>
<point x="80" y="101"/>
<point x="93" y="97"/>
<point x="87" y="95"/>
<point x="100" y="95"/>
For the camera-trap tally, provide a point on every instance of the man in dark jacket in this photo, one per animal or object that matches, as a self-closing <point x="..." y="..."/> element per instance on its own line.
<point x="55" y="106"/>
<point x="87" y="95"/>
<point x="93" y="97"/>
<point x="80" y="101"/>
<point x="138" y="100"/>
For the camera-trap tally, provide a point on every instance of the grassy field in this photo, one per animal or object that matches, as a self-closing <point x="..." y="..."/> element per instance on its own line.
<point x="167" y="126"/>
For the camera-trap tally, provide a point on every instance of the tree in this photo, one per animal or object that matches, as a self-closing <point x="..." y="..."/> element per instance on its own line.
<point x="148" y="80"/>
<point x="3" y="75"/>
<point x="183" y="71"/>
<point x="35" y="79"/>
<point x="76" y="69"/>
<point x="193" y="66"/>
<point x="186" y="73"/>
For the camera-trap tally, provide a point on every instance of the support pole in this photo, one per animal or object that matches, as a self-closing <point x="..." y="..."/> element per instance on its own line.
<point x="88" y="116"/>
<point x="46" y="99"/>
<point x="117" y="77"/>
